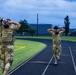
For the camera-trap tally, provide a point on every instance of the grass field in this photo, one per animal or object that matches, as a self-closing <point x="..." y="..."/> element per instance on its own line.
<point x="24" y="50"/>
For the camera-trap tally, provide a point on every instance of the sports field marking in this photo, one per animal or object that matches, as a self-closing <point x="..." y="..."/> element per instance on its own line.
<point x="72" y="58"/>
<point x="19" y="47"/>
<point x="47" y="66"/>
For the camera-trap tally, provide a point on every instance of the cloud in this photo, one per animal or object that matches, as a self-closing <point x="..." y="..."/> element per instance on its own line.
<point x="71" y="0"/>
<point x="50" y="11"/>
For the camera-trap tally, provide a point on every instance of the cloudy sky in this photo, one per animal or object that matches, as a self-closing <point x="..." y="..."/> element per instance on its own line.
<point x="49" y="11"/>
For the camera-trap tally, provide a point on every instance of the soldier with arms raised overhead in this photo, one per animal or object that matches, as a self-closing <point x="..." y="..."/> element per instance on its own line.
<point x="56" y="35"/>
<point x="7" y="43"/>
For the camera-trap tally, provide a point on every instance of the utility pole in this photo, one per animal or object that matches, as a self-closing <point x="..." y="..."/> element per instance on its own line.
<point x="37" y="24"/>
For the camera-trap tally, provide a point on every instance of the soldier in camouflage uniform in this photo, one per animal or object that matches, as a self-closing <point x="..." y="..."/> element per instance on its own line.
<point x="7" y="43"/>
<point x="56" y="35"/>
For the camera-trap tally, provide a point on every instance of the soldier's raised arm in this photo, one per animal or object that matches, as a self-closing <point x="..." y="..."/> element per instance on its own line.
<point x="62" y="29"/>
<point x="49" y="30"/>
<point x="16" y="24"/>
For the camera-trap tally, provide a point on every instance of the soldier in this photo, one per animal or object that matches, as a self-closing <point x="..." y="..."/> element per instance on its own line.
<point x="7" y="29"/>
<point x="56" y="35"/>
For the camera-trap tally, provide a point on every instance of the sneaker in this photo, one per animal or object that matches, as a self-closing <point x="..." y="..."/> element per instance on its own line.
<point x="58" y="57"/>
<point x="55" y="63"/>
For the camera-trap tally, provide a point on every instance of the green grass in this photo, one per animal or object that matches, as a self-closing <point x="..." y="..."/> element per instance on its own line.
<point x="66" y="38"/>
<point x="73" y="39"/>
<point x="29" y="49"/>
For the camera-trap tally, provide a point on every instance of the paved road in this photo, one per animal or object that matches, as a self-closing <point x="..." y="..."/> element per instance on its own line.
<point x="42" y="63"/>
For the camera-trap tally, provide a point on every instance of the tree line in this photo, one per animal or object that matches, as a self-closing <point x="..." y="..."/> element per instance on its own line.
<point x="25" y="27"/>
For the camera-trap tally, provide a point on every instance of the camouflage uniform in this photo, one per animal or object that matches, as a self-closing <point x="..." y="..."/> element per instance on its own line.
<point x="56" y="45"/>
<point x="56" y="42"/>
<point x="0" y="41"/>
<point x="7" y="45"/>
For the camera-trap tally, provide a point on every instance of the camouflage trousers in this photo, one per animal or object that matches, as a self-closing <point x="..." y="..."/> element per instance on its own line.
<point x="57" y="48"/>
<point x="6" y="54"/>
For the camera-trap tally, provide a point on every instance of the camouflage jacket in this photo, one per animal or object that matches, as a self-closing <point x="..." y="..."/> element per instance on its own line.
<point x="7" y="34"/>
<point x="56" y="38"/>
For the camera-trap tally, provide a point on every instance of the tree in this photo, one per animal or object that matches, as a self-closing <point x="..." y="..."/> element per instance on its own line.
<point x="24" y="26"/>
<point x="31" y="31"/>
<point x="74" y="33"/>
<point x="67" y="23"/>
